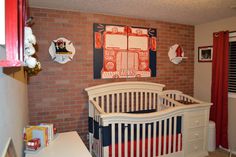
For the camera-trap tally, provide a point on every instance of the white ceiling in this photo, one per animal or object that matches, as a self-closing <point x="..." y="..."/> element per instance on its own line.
<point x="178" y="11"/>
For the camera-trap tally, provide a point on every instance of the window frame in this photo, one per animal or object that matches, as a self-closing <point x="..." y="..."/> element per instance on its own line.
<point x="232" y="37"/>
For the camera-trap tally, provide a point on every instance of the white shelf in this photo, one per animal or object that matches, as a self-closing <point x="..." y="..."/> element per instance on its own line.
<point x="66" y="144"/>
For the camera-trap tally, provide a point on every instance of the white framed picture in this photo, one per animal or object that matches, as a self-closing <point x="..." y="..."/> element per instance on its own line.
<point x="205" y="54"/>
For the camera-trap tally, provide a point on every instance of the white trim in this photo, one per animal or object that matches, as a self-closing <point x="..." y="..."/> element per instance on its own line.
<point x="232" y="36"/>
<point x="231" y="95"/>
<point x="6" y="147"/>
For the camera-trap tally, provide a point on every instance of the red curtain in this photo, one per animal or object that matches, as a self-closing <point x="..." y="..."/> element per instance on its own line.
<point x="219" y="88"/>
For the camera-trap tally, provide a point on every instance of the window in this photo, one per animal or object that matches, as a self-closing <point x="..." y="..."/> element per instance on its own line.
<point x="232" y="62"/>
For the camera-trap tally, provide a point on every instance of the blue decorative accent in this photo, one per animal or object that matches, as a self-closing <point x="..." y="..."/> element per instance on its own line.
<point x="106" y="136"/>
<point x="90" y="124"/>
<point x="179" y="124"/>
<point x="152" y="62"/>
<point x="96" y="130"/>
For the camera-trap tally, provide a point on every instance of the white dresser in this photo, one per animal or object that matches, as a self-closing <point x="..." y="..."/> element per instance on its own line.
<point x="67" y="144"/>
<point x="197" y="133"/>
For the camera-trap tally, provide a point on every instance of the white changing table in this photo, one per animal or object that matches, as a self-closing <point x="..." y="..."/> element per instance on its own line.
<point x="67" y="144"/>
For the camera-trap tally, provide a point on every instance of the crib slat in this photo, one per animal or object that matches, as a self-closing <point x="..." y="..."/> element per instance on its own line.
<point x="138" y="137"/>
<point x="123" y="101"/>
<point x="154" y="138"/>
<point x="136" y="102"/>
<point x="132" y="101"/>
<point x="179" y="142"/>
<point x="166" y="102"/>
<point x="118" y="102"/>
<point x="159" y="137"/>
<point x="119" y="140"/>
<point x="141" y="100"/>
<point x="108" y="103"/>
<point x="155" y="102"/>
<point x="126" y="140"/>
<point x="97" y="100"/>
<point x="150" y="101"/>
<point x="174" y="135"/>
<point x="143" y="140"/>
<point x="165" y="135"/>
<point x="132" y="140"/>
<point x="157" y="98"/>
<point x="102" y="102"/>
<point x="100" y="144"/>
<point x="113" y="139"/>
<point x="145" y="101"/>
<point x="113" y="103"/>
<point x="149" y="141"/>
<point x="127" y="102"/>
<point x="170" y="133"/>
<point x="105" y="151"/>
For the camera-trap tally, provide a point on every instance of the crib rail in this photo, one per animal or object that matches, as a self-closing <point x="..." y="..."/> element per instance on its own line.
<point x="177" y="96"/>
<point x="166" y="102"/>
<point x="124" y="97"/>
<point x="188" y="98"/>
<point x="173" y="94"/>
<point x="140" y="135"/>
<point x="128" y="101"/>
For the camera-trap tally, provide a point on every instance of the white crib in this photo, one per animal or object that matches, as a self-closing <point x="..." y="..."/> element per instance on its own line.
<point x="139" y="119"/>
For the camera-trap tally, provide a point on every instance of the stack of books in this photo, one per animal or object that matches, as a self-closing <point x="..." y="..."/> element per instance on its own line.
<point x="38" y="136"/>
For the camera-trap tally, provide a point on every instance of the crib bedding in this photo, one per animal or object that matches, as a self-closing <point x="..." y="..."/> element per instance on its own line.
<point x="138" y="139"/>
<point x="178" y="146"/>
<point x="106" y="136"/>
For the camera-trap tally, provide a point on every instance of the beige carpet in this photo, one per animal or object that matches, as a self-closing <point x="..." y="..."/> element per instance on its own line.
<point x="219" y="153"/>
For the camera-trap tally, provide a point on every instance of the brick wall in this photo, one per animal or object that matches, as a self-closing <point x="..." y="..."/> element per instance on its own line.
<point x="57" y="93"/>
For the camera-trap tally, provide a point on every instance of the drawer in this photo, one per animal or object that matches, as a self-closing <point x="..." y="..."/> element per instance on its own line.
<point x="196" y="133"/>
<point x="197" y="113"/>
<point x="196" y="121"/>
<point x="195" y="147"/>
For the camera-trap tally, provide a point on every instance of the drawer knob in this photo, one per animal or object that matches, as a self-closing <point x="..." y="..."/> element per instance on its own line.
<point x="195" y="147"/>
<point x="197" y="122"/>
<point x="196" y="135"/>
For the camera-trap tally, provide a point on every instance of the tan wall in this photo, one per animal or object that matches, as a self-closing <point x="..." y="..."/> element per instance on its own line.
<point x="13" y="107"/>
<point x="202" y="71"/>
